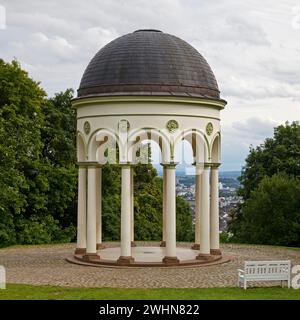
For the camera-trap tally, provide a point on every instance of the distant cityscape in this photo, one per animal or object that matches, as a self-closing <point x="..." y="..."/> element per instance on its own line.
<point x="228" y="185"/>
<point x="228" y="198"/>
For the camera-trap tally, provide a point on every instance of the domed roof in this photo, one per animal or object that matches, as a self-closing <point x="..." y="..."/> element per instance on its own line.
<point x="149" y="62"/>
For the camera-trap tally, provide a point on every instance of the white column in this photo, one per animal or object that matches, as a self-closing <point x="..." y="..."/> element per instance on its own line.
<point x="164" y="231"/>
<point x="81" y="214"/>
<point x="132" y="206"/>
<point x="170" y="216"/>
<point x="214" y="211"/>
<point x="91" y="249"/>
<point x="125" y="256"/>
<point x="198" y="178"/>
<point x="204" y="214"/>
<point x="99" y="208"/>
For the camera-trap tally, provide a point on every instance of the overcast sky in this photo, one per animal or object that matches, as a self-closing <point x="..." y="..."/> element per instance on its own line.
<point x="253" y="47"/>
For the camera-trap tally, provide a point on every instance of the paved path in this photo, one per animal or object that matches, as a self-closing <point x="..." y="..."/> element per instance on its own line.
<point x="46" y="265"/>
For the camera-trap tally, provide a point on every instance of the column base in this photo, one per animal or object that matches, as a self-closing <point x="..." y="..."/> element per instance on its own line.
<point x="125" y="260"/>
<point x="215" y="252"/>
<point x="80" y="251"/>
<point x="204" y="256"/>
<point x="133" y="244"/>
<point x="89" y="257"/>
<point x="170" y="260"/>
<point x="195" y="246"/>
<point x="100" y="246"/>
<point x="162" y="244"/>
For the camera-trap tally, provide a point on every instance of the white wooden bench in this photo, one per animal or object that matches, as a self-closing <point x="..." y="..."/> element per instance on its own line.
<point x="265" y="271"/>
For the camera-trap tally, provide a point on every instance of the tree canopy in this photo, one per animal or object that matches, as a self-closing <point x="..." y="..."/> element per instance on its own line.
<point x="270" y="180"/>
<point x="278" y="154"/>
<point x="29" y="181"/>
<point x="38" y="174"/>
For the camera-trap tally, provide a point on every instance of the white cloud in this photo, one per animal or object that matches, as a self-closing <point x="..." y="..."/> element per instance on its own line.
<point x="254" y="129"/>
<point x="252" y="47"/>
<point x="240" y="135"/>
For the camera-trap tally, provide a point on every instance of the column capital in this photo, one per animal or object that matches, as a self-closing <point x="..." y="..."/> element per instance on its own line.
<point x="215" y="165"/>
<point x="89" y="164"/>
<point x="170" y="165"/>
<point x="125" y="165"/>
<point x="206" y="165"/>
<point x="198" y="165"/>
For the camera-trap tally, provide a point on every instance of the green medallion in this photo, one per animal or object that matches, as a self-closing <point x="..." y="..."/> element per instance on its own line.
<point x="172" y="125"/>
<point x="209" y="128"/>
<point x="87" y="127"/>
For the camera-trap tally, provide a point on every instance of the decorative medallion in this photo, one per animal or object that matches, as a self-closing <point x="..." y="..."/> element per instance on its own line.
<point x="209" y="128"/>
<point x="87" y="127"/>
<point x="172" y="125"/>
<point x="124" y="125"/>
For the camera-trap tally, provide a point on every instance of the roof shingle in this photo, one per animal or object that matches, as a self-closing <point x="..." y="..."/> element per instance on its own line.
<point x="149" y="61"/>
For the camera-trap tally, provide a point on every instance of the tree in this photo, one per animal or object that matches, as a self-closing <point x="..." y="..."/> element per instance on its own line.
<point x="59" y="130"/>
<point x="25" y="172"/>
<point x="148" y="199"/>
<point x="148" y="203"/>
<point x="278" y="154"/>
<point x="111" y="203"/>
<point x="271" y="215"/>
<point x="184" y="222"/>
<point x="58" y="135"/>
<point x="38" y="174"/>
<point x="22" y="179"/>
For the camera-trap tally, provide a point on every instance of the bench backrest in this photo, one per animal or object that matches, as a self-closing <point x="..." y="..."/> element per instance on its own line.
<point x="267" y="269"/>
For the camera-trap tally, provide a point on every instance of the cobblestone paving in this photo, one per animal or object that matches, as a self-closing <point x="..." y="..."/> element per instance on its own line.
<point x="46" y="265"/>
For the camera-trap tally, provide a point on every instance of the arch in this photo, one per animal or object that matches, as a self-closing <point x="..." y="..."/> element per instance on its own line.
<point x="99" y="141"/>
<point x="197" y="140"/>
<point x="184" y="153"/>
<point x="136" y="138"/>
<point x="215" y="148"/>
<point x="81" y="147"/>
<point x="142" y="148"/>
<point x="132" y="153"/>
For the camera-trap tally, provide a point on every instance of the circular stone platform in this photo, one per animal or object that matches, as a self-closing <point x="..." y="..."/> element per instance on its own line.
<point x="145" y="256"/>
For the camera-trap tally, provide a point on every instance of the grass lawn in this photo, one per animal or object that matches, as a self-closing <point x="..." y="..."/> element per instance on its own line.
<point x="24" y="292"/>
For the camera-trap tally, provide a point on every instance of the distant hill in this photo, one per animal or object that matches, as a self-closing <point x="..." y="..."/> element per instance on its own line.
<point x="229" y="174"/>
<point x="183" y="170"/>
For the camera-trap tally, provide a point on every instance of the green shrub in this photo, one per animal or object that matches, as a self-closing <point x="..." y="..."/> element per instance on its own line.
<point x="39" y="230"/>
<point x="225" y="237"/>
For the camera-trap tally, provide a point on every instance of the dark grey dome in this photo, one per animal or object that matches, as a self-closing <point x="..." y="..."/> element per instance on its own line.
<point x="149" y="62"/>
